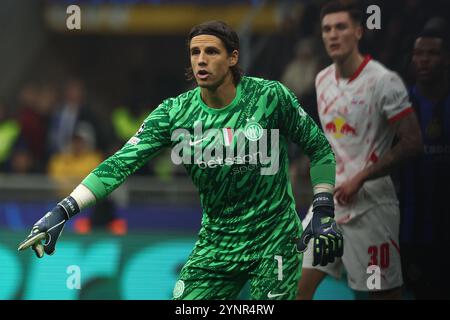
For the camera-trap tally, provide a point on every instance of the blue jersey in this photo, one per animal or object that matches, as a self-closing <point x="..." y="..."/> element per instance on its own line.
<point x="424" y="186"/>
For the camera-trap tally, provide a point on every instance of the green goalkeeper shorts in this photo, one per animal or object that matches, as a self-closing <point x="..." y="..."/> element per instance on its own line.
<point x="270" y="277"/>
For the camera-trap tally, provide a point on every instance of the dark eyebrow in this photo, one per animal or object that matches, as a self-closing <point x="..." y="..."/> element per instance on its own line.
<point x="336" y="25"/>
<point x="212" y="48"/>
<point x="208" y="47"/>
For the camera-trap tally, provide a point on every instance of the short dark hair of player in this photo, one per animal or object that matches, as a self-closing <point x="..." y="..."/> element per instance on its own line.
<point x="351" y="7"/>
<point x="438" y="34"/>
<point x="229" y="38"/>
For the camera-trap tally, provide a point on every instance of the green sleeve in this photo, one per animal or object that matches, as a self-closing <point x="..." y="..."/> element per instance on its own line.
<point x="323" y="173"/>
<point x="153" y="135"/>
<point x="301" y="129"/>
<point x="95" y="184"/>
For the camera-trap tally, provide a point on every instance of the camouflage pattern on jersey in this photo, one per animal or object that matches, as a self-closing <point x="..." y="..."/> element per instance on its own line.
<point x="246" y="214"/>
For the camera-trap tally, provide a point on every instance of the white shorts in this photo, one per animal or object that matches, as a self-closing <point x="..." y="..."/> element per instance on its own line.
<point x="370" y="239"/>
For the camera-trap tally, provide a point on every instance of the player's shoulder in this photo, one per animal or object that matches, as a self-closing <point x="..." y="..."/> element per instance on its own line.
<point x="324" y="74"/>
<point x="258" y="83"/>
<point x="386" y="80"/>
<point x="379" y="71"/>
<point x="264" y="87"/>
<point x="178" y="102"/>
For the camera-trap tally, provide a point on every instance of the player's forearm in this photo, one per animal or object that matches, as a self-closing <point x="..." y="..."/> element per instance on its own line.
<point x="323" y="187"/>
<point x="323" y="177"/>
<point x="100" y="182"/>
<point x="109" y="175"/>
<point x="407" y="147"/>
<point x="96" y="186"/>
<point x="323" y="164"/>
<point x="112" y="172"/>
<point x="316" y="146"/>
<point x="84" y="197"/>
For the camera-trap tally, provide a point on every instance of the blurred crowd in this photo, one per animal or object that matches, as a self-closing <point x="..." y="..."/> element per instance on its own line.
<point x="54" y="129"/>
<point x="51" y="122"/>
<point x="64" y="126"/>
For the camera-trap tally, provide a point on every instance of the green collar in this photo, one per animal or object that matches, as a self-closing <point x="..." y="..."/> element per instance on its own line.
<point x="224" y="109"/>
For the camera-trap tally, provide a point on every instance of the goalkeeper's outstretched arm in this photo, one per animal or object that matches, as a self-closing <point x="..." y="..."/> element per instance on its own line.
<point x="110" y="174"/>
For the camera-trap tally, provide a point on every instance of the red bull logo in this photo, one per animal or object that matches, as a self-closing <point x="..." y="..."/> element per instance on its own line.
<point x="339" y="128"/>
<point x="330" y="127"/>
<point x="348" y="129"/>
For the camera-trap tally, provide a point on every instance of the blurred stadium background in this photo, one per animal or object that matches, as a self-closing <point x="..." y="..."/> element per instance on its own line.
<point x="70" y="98"/>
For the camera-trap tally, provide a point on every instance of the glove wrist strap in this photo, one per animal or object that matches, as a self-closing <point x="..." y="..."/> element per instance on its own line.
<point x="70" y="206"/>
<point x="323" y="199"/>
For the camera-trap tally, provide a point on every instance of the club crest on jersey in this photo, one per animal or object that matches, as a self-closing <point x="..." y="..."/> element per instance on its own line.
<point x="253" y="130"/>
<point x="178" y="290"/>
<point x="244" y="148"/>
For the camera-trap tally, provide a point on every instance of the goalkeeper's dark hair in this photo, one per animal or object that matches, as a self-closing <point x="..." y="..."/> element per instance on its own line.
<point x="229" y="38"/>
<point x="352" y="7"/>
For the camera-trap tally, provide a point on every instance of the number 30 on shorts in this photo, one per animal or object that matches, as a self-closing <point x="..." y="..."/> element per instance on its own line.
<point x="379" y="256"/>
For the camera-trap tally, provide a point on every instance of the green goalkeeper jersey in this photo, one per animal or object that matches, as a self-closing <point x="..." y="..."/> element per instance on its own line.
<point x="237" y="158"/>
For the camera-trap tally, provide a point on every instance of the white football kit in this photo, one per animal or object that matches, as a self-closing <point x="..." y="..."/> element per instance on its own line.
<point x="356" y="115"/>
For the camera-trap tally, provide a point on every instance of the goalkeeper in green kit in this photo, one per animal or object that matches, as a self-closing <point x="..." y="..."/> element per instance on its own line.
<point x="231" y="133"/>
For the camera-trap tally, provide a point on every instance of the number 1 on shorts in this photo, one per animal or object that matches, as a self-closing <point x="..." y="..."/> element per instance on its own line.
<point x="280" y="266"/>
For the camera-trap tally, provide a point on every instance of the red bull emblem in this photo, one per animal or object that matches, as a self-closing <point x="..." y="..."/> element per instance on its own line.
<point x="330" y="127"/>
<point x="339" y="128"/>
<point x="347" y="129"/>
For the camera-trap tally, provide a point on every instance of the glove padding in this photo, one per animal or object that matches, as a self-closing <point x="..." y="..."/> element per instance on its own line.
<point x="49" y="227"/>
<point x="328" y="242"/>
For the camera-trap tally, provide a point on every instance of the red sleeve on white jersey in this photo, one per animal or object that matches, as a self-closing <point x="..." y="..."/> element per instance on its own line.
<point x="400" y="115"/>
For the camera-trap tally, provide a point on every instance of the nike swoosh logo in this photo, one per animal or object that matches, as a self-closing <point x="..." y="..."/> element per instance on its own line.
<point x="273" y="295"/>
<point x="193" y="143"/>
<point x="327" y="229"/>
